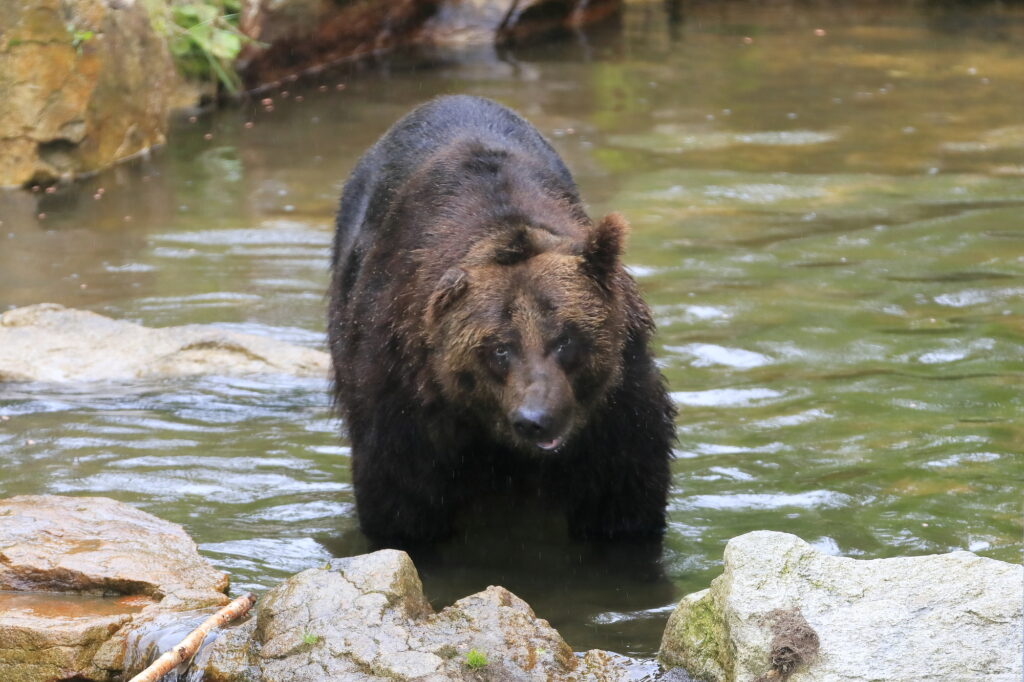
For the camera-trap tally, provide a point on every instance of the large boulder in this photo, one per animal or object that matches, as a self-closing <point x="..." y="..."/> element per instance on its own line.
<point x="84" y="83"/>
<point x="47" y="342"/>
<point x="784" y="610"/>
<point x="78" y="575"/>
<point x="365" y="618"/>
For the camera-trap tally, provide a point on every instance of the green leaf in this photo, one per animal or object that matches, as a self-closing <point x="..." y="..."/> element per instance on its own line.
<point x="225" y="44"/>
<point x="187" y="16"/>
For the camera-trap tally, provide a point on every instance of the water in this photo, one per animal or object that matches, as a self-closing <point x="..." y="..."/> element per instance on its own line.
<point x="828" y="228"/>
<point x="68" y="607"/>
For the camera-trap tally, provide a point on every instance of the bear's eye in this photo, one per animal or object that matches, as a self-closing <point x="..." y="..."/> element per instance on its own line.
<point x="497" y="358"/>
<point x="567" y="350"/>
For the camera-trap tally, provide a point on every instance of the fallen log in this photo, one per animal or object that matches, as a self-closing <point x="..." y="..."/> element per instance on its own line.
<point x="187" y="648"/>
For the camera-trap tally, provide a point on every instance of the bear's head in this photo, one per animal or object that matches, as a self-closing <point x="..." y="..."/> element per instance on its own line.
<point x="527" y="331"/>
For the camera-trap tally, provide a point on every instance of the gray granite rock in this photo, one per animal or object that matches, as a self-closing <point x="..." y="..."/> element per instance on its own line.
<point x="365" y="618"/>
<point x="48" y="342"/>
<point x="784" y="610"/>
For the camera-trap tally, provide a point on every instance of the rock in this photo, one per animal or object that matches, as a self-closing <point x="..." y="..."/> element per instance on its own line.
<point x="95" y="545"/>
<point x="47" y="342"/>
<point x="365" y="618"/>
<point x="85" y="83"/>
<point x="83" y="573"/>
<point x="783" y="606"/>
<point x="295" y="35"/>
<point x="467" y="22"/>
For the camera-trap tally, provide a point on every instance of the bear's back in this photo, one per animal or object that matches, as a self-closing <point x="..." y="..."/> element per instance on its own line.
<point x="419" y="136"/>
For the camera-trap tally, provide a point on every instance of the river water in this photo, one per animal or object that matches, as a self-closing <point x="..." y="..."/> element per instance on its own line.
<point x="827" y="208"/>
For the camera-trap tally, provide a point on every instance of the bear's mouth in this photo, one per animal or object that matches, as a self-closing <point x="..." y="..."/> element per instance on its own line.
<point x="551" y="445"/>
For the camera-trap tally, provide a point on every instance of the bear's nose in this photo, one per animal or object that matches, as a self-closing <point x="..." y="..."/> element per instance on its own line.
<point x="533" y="424"/>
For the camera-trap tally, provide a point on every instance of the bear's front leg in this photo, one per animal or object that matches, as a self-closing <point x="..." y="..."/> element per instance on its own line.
<point x="400" y="507"/>
<point x="618" y="477"/>
<point x="403" y="486"/>
<point x="626" y="503"/>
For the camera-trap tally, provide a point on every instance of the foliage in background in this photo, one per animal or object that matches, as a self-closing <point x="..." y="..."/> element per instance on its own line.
<point x="203" y="37"/>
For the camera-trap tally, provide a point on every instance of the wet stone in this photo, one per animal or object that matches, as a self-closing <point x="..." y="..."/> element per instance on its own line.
<point x="79" y="574"/>
<point x="48" y="342"/>
<point x="783" y="608"/>
<point x="365" y="618"/>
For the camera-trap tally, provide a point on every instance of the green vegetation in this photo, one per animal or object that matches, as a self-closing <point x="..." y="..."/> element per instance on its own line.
<point x="203" y="37"/>
<point x="310" y="638"/>
<point x="475" y="659"/>
<point x="79" y="38"/>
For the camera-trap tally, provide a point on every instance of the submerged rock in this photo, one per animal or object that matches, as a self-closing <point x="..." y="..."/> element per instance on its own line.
<point x="78" y="575"/>
<point x="48" y="342"/>
<point x="365" y="618"/>
<point x="290" y="36"/>
<point x="85" y="83"/>
<point x="783" y="610"/>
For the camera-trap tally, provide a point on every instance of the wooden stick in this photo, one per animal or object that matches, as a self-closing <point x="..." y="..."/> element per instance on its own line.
<point x="186" y="649"/>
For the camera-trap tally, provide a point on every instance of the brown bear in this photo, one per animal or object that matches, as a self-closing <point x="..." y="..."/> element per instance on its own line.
<point x="485" y="337"/>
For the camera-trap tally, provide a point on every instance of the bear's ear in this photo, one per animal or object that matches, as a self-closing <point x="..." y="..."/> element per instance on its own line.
<point x="514" y="247"/>
<point x="450" y="288"/>
<point x="603" y="248"/>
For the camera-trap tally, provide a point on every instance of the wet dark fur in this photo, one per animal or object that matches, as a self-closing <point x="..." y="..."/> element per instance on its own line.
<point x="459" y="203"/>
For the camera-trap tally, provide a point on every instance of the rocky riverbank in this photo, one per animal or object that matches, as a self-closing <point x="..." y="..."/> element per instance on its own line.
<point x="86" y="83"/>
<point x="93" y="588"/>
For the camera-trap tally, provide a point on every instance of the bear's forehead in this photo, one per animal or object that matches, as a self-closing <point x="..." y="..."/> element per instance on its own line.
<point x="540" y="300"/>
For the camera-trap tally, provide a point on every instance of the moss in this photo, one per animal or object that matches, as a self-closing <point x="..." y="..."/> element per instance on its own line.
<point x="447" y="652"/>
<point x="696" y="638"/>
<point x="475" y="659"/>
